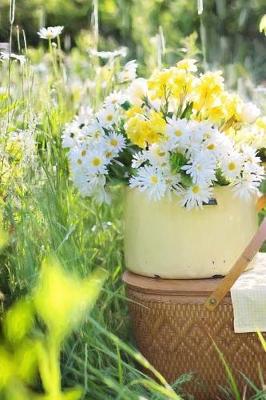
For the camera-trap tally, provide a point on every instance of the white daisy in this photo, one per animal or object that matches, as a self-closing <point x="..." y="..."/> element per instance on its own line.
<point x="78" y="156"/>
<point x="232" y="165"/>
<point x="94" y="131"/>
<point x="201" y="168"/>
<point x="13" y="56"/>
<point x="129" y="72"/>
<point x="116" y="98"/>
<point x="122" y="52"/>
<point x="194" y="196"/>
<point x="157" y="155"/>
<point x="84" y="116"/>
<point x="107" y="116"/>
<point x="96" y="162"/>
<point x="50" y="32"/>
<point x="72" y="135"/>
<point x="150" y="180"/>
<point x="177" y="133"/>
<point x="115" y="142"/>
<point x="139" y="159"/>
<point x="247" y="186"/>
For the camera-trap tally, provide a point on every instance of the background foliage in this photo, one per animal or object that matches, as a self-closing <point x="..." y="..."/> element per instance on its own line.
<point x="227" y="30"/>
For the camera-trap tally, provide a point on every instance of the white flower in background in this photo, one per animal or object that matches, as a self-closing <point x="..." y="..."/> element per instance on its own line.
<point x="84" y="116"/>
<point x="150" y="180"/>
<point x="194" y="196"/>
<point x="12" y="56"/>
<point x="22" y="143"/>
<point x="232" y="165"/>
<point x="201" y="168"/>
<point x="137" y="90"/>
<point x="51" y="32"/>
<point x="129" y="72"/>
<point x="108" y="116"/>
<point x="249" y="112"/>
<point x="72" y="135"/>
<point x="116" y="98"/>
<point x="122" y="52"/>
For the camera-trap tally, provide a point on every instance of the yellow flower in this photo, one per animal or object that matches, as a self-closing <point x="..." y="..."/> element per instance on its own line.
<point x="160" y="82"/>
<point x="188" y="64"/>
<point x="207" y="89"/>
<point x="157" y="122"/>
<point x="216" y="114"/>
<point x="143" y="131"/>
<point x="132" y="111"/>
<point x="261" y="123"/>
<point x="182" y="84"/>
<point x="232" y="105"/>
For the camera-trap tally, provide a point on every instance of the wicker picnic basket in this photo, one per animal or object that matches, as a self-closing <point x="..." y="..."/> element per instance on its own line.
<point x="175" y="332"/>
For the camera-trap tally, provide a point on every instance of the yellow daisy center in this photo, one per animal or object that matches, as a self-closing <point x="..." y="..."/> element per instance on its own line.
<point x="178" y="132"/>
<point x="196" y="189"/>
<point x="96" y="161"/>
<point x="211" y="146"/>
<point x="83" y="153"/>
<point x="154" y="179"/>
<point x="231" y="166"/>
<point x="79" y="161"/>
<point x="114" y="142"/>
<point x="109" y="117"/>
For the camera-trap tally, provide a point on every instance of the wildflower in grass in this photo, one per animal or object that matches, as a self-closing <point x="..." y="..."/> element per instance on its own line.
<point x="51" y="32"/>
<point x="109" y="55"/>
<point x="12" y="56"/>
<point x="129" y="72"/>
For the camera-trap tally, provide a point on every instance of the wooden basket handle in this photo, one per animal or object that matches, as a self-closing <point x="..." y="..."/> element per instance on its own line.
<point x="240" y="265"/>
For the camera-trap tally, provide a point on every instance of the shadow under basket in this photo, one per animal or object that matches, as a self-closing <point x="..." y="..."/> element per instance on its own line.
<point x="175" y="332"/>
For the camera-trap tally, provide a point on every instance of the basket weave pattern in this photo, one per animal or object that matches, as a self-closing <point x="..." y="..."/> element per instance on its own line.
<point x="176" y="333"/>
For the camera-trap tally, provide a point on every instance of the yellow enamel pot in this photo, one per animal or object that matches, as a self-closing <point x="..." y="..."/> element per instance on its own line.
<point x="166" y="240"/>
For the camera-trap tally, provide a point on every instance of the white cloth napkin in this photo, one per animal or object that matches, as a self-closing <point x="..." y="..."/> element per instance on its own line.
<point x="249" y="298"/>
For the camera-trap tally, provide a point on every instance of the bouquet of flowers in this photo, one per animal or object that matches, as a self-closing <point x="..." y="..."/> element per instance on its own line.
<point x="178" y="133"/>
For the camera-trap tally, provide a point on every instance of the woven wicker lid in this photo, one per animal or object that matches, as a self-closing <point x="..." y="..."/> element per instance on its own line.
<point x="177" y="287"/>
